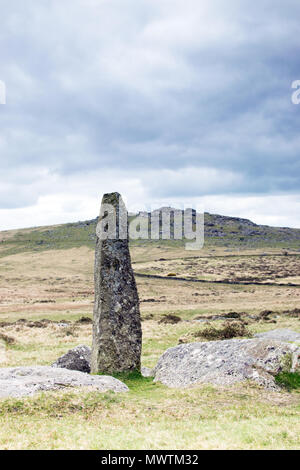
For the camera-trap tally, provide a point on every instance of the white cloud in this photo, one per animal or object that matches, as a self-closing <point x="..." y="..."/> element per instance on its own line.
<point x="78" y="198"/>
<point x="281" y="210"/>
<point x="153" y="98"/>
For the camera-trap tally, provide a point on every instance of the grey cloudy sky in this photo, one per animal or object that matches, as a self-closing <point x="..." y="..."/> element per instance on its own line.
<point x="166" y="101"/>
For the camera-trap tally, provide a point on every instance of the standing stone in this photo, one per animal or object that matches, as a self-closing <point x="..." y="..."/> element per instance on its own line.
<point x="117" y="332"/>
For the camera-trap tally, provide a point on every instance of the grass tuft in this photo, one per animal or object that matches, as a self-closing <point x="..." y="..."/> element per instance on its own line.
<point x="288" y="380"/>
<point x="227" y="331"/>
<point x="60" y="404"/>
<point x="7" y="339"/>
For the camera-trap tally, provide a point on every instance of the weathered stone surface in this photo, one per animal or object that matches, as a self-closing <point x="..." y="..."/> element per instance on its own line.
<point x="78" y="358"/>
<point x="147" y="372"/>
<point x="281" y="334"/>
<point x="226" y="362"/>
<point x="2" y="351"/>
<point x="23" y="381"/>
<point x="117" y="333"/>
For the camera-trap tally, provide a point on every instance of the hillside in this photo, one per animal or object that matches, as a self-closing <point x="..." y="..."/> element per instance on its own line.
<point x="220" y="231"/>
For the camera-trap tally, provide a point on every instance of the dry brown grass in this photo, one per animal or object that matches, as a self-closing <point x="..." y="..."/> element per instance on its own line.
<point x="250" y="268"/>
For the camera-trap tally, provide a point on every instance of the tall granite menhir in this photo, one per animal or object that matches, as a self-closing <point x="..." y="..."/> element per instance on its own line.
<point x="117" y="332"/>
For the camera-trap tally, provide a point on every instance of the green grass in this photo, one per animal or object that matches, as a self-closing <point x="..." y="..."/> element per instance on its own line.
<point x="54" y="405"/>
<point x="288" y="380"/>
<point x="136" y="383"/>
<point x="150" y="416"/>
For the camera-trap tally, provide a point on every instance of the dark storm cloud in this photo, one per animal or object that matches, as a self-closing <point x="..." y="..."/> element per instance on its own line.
<point x="150" y="85"/>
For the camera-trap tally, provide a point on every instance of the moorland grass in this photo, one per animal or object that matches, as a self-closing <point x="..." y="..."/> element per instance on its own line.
<point x="150" y="415"/>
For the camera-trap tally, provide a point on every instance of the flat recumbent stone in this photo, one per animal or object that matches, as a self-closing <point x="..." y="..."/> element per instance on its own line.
<point x="26" y="381"/>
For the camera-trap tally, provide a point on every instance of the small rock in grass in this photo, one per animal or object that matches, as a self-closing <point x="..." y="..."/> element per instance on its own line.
<point x="78" y="359"/>
<point x="147" y="372"/>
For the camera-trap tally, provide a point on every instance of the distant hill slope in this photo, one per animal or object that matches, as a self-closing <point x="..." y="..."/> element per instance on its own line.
<point x="219" y="231"/>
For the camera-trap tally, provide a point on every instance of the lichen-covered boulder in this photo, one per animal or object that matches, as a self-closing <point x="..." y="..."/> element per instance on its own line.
<point x="26" y="381"/>
<point x="78" y="358"/>
<point x="226" y="362"/>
